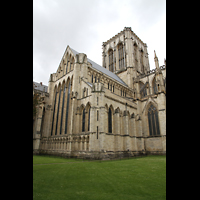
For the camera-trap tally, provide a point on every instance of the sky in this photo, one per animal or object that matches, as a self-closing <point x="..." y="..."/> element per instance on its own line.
<point x="85" y="24"/>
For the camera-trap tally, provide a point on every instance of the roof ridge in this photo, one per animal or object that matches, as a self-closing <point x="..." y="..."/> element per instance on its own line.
<point x="102" y="69"/>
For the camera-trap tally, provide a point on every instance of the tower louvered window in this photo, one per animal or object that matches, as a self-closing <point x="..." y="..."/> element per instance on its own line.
<point x="154" y="128"/>
<point x="111" y="63"/>
<point x="121" y="56"/>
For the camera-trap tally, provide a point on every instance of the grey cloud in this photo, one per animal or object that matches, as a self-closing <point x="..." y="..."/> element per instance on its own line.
<point x="84" y="25"/>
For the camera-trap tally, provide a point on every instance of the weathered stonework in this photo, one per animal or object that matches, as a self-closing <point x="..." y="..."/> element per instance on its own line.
<point x="94" y="113"/>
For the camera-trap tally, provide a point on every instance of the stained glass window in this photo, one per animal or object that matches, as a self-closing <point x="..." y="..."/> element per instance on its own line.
<point x="83" y="120"/>
<point x="63" y="103"/>
<point x="58" y="111"/>
<point x="67" y="109"/>
<point x="109" y="121"/>
<point x="53" y="113"/>
<point x="154" y="128"/>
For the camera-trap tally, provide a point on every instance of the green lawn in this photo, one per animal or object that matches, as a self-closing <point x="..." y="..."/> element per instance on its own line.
<point x="135" y="179"/>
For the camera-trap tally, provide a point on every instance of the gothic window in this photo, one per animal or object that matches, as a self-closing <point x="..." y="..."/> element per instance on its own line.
<point x="92" y="78"/>
<point x="67" y="109"/>
<point x="83" y="120"/>
<point x="58" y="111"/>
<point x="109" y="120"/>
<point x="63" y="103"/>
<point x="121" y="56"/>
<point x="89" y="120"/>
<point x="154" y="128"/>
<point x="111" y="64"/>
<point x="53" y="113"/>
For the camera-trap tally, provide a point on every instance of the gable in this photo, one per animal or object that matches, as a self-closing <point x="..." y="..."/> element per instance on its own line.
<point x="102" y="69"/>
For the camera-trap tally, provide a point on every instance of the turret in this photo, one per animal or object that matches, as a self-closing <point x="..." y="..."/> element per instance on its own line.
<point x="156" y="60"/>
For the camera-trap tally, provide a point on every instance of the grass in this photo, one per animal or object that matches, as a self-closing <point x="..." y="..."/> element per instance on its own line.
<point x="137" y="178"/>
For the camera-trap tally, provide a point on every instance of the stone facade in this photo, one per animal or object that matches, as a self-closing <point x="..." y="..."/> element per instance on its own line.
<point x="107" y="111"/>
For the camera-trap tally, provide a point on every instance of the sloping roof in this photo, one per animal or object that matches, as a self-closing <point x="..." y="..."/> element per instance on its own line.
<point x="102" y="69"/>
<point x="39" y="86"/>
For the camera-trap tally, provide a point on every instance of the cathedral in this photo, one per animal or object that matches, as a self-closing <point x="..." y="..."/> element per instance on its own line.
<point x="104" y="112"/>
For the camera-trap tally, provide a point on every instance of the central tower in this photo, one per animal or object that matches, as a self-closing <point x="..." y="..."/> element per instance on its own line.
<point x="125" y="52"/>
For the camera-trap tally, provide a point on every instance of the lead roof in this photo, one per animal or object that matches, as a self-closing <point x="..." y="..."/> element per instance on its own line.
<point x="102" y="69"/>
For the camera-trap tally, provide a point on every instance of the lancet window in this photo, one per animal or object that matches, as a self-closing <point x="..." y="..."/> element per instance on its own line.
<point x="109" y="120"/>
<point x="121" y="56"/>
<point x="83" y="120"/>
<point x="111" y="63"/>
<point x="63" y="103"/>
<point x="53" y="113"/>
<point x="67" y="108"/>
<point x="58" y="111"/>
<point x="154" y="128"/>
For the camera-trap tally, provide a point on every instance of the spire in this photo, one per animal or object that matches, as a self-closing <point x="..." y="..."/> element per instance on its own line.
<point x="155" y="54"/>
<point x="156" y="60"/>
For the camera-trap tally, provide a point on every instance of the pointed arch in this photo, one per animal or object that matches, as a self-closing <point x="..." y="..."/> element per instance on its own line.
<point x="111" y="60"/>
<point x="83" y="120"/>
<point x="58" y="107"/>
<point x="67" y="96"/>
<point x="54" y="108"/>
<point x="121" y="55"/>
<point x="153" y="121"/>
<point x="87" y="108"/>
<point x="147" y="105"/>
<point x="106" y="107"/>
<point x="110" y="119"/>
<point x="63" y="104"/>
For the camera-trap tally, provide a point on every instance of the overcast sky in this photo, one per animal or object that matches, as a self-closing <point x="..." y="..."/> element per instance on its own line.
<point x="85" y="24"/>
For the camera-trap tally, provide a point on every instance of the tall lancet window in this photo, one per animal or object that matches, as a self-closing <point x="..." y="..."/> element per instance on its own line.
<point x="89" y="120"/>
<point x="121" y="56"/>
<point x="63" y="103"/>
<point x="109" y="120"/>
<point x="58" y="111"/>
<point x="154" y="128"/>
<point x="67" y="109"/>
<point x="111" y="63"/>
<point x="53" y="113"/>
<point x="83" y="120"/>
